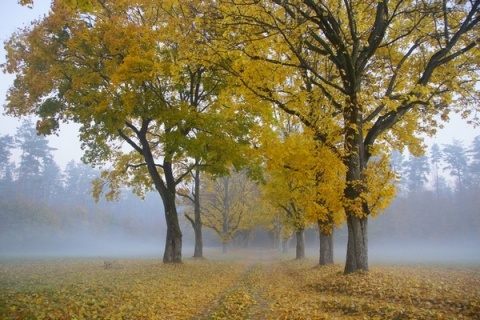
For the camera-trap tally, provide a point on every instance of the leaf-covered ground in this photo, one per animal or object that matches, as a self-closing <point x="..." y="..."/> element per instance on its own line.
<point x="228" y="288"/>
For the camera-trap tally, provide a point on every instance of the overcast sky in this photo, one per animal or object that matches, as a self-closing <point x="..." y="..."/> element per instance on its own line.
<point x="13" y="16"/>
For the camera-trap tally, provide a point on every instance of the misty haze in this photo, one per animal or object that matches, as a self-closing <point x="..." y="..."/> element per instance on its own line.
<point x="56" y="238"/>
<point x="46" y="211"/>
<point x="241" y="160"/>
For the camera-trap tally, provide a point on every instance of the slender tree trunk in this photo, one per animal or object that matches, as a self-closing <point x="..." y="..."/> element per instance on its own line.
<point x="357" y="245"/>
<point x="326" y="248"/>
<point x="285" y="245"/>
<point x="226" y="208"/>
<point x="279" y="243"/>
<point x="300" y="249"/>
<point x="243" y="238"/>
<point x="224" y="247"/>
<point x="198" y="251"/>
<point x="197" y="229"/>
<point x="197" y="224"/>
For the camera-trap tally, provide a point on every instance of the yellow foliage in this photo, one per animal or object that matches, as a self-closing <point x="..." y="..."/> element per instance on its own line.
<point x="304" y="178"/>
<point x="358" y="74"/>
<point x="230" y="204"/>
<point x="380" y="185"/>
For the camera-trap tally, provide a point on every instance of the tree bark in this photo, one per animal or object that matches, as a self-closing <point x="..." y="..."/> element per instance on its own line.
<point x="197" y="229"/>
<point x="356" y="208"/>
<point x="197" y="224"/>
<point x="357" y="245"/>
<point x="173" y="243"/>
<point x="285" y="245"/>
<point x="300" y="249"/>
<point x="224" y="247"/>
<point x="198" y="251"/>
<point x="326" y="248"/>
<point x="166" y="189"/>
<point x="277" y="236"/>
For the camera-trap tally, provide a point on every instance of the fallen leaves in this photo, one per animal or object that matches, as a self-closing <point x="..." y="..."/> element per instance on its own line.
<point x="386" y="292"/>
<point x="233" y="289"/>
<point x="84" y="289"/>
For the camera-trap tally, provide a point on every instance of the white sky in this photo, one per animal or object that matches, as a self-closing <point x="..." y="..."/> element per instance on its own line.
<point x="13" y="16"/>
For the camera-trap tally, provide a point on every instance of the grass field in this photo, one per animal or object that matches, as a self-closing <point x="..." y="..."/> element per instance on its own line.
<point x="234" y="286"/>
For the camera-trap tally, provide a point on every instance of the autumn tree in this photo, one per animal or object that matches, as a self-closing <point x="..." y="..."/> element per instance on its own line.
<point x="328" y="197"/>
<point x="228" y="203"/>
<point x="131" y="74"/>
<point x="382" y="71"/>
<point x="85" y="5"/>
<point x="281" y="193"/>
<point x="304" y="182"/>
<point x="283" y="232"/>
<point x="192" y="195"/>
<point x="288" y="178"/>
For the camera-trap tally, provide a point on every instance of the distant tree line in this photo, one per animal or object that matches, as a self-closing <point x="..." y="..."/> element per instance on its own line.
<point x="41" y="203"/>
<point x="437" y="198"/>
<point x="447" y="168"/>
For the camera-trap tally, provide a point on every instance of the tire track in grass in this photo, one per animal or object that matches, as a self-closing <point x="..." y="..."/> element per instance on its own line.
<point x="238" y="300"/>
<point x="243" y="300"/>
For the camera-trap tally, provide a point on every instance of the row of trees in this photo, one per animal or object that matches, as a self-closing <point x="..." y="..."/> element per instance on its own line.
<point x="210" y="85"/>
<point x="429" y="192"/>
<point x="236" y="208"/>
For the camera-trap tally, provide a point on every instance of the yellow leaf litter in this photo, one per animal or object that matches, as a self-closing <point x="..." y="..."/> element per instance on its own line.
<point x="230" y="288"/>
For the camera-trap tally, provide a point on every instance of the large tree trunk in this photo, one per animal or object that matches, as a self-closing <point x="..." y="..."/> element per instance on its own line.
<point x="166" y="190"/>
<point x="326" y="248"/>
<point x="357" y="245"/>
<point x="173" y="243"/>
<point x="356" y="208"/>
<point x="300" y="249"/>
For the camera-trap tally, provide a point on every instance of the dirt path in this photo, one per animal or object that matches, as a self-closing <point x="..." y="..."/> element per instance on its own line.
<point x="246" y="298"/>
<point x="269" y="288"/>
